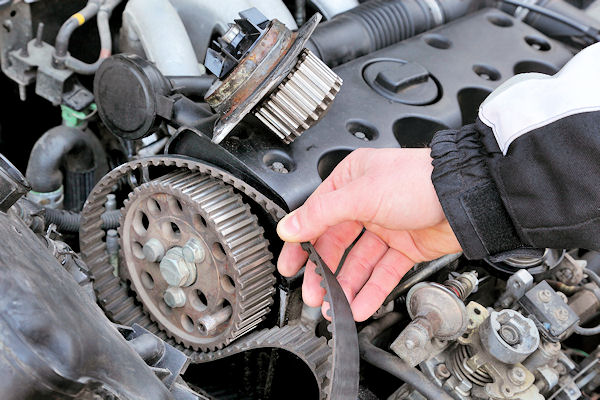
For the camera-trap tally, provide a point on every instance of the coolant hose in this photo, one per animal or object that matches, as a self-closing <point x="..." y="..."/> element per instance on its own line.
<point x="68" y="221"/>
<point x="102" y="18"/>
<point x="376" y="24"/>
<point x="48" y="153"/>
<point x="61" y="44"/>
<point x="393" y="364"/>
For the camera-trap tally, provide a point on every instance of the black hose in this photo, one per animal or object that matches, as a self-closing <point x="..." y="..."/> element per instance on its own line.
<point x="68" y="221"/>
<point x="61" y="44"/>
<point x="192" y="86"/>
<point x="557" y="11"/>
<point x="595" y="330"/>
<point x="47" y="156"/>
<point x="376" y="24"/>
<point x="425" y="272"/>
<point x="102" y="19"/>
<point x="392" y="364"/>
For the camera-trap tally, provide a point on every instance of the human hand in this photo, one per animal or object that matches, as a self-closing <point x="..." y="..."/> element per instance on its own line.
<point x="389" y="193"/>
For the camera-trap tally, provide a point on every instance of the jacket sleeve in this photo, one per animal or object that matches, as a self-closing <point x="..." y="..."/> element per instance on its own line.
<point x="526" y="175"/>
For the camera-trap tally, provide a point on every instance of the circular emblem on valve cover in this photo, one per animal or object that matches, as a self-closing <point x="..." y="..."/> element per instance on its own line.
<point x="196" y="259"/>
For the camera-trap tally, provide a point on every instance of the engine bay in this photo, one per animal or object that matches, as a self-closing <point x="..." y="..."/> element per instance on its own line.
<point x="150" y="147"/>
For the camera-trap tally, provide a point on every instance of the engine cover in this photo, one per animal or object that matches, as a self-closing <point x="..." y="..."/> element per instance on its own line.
<point x="398" y="96"/>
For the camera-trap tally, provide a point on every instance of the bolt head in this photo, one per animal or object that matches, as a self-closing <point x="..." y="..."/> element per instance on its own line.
<point x="174" y="269"/>
<point x="174" y="297"/>
<point x="544" y="295"/>
<point x="517" y="375"/>
<point x="153" y="250"/>
<point x="441" y="371"/>
<point x="562" y="314"/>
<point x="193" y="251"/>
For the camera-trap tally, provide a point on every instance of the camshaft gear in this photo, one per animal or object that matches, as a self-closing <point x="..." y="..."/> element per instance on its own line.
<point x="196" y="259"/>
<point x="334" y="364"/>
<point x="301" y="99"/>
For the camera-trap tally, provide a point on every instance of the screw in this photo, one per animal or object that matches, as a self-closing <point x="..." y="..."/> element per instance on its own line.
<point x="278" y="166"/>
<point x="409" y="344"/>
<point x="361" y="135"/>
<point x="544" y="295"/>
<point x="153" y="250"/>
<point x="517" y="375"/>
<point x="441" y="371"/>
<point x="174" y="297"/>
<point x="509" y="334"/>
<point x="193" y="251"/>
<point x="175" y="270"/>
<point x="562" y="314"/>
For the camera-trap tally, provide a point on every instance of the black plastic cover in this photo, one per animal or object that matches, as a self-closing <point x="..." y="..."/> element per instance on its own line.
<point x="131" y="96"/>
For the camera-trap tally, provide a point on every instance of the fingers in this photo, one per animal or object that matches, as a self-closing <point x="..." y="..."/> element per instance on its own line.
<point x="331" y="247"/>
<point x="353" y="202"/>
<point x="386" y="275"/>
<point x="360" y="262"/>
<point x="291" y="259"/>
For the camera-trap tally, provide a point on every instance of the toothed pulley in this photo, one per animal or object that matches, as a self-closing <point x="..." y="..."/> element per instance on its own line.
<point x="196" y="259"/>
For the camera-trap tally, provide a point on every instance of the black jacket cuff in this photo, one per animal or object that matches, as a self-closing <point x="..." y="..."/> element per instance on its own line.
<point x="468" y="194"/>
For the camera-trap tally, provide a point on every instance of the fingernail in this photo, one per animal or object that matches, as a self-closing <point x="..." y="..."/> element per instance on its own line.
<point x="289" y="226"/>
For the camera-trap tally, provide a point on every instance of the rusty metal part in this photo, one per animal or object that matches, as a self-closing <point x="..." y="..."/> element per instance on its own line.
<point x="236" y="276"/>
<point x="120" y="307"/>
<point x="266" y="65"/>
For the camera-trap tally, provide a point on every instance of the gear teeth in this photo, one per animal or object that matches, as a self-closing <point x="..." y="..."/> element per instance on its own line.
<point x="296" y="339"/>
<point x="241" y="237"/>
<point x="240" y="230"/>
<point x="205" y="182"/>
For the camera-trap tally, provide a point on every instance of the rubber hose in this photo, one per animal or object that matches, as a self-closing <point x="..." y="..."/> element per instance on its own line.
<point x="68" y="221"/>
<point x="376" y="24"/>
<point x="395" y="365"/>
<point x="192" y="86"/>
<point x="61" y="44"/>
<point x="46" y="157"/>
<point x="595" y="330"/>
<point x="102" y="18"/>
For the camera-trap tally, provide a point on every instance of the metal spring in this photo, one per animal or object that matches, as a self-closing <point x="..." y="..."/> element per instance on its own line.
<point x="460" y="355"/>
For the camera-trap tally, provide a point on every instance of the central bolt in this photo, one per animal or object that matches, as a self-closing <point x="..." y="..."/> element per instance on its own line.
<point x="176" y="270"/>
<point x="509" y="334"/>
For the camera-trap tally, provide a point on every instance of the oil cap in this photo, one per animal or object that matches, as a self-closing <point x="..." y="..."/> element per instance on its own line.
<point x="401" y="81"/>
